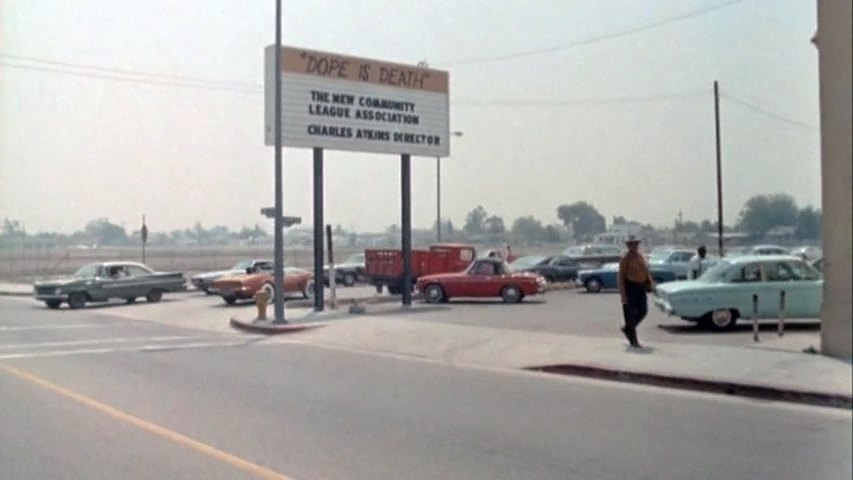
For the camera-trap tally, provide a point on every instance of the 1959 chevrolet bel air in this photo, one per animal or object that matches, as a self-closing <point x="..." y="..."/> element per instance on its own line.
<point x="99" y="282"/>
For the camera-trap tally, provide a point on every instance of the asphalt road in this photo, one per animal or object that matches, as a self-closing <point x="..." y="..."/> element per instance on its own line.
<point x="99" y="393"/>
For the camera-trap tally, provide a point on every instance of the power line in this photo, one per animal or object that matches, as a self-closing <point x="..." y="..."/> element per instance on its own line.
<point x="256" y="89"/>
<point x="553" y="103"/>
<point x="595" y="38"/>
<point x="150" y="81"/>
<point x="119" y="71"/>
<point x="757" y="109"/>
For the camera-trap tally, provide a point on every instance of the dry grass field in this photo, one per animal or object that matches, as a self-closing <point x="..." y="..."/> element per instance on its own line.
<point x="26" y="265"/>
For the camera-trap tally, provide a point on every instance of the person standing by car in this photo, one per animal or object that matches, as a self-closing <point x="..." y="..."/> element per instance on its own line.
<point x="696" y="262"/>
<point x="634" y="281"/>
<point x="509" y="257"/>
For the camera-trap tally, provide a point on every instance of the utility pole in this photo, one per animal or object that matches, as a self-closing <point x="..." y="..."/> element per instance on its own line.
<point x="144" y="234"/>
<point x="719" y="170"/>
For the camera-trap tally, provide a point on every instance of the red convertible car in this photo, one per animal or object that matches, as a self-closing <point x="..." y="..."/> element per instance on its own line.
<point x="484" y="278"/>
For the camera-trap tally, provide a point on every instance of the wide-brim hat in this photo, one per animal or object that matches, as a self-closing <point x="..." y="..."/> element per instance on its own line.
<point x="632" y="239"/>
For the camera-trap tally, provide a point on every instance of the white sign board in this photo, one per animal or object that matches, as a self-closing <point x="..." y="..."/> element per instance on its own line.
<point x="347" y="103"/>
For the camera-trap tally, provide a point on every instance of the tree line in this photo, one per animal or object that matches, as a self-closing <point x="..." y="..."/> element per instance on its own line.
<point x="575" y="222"/>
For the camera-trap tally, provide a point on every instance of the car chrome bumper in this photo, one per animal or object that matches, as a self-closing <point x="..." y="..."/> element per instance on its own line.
<point x="664" y="306"/>
<point x="44" y="296"/>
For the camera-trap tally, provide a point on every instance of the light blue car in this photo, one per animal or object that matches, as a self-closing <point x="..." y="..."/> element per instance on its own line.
<point x="676" y="259"/>
<point x="724" y="293"/>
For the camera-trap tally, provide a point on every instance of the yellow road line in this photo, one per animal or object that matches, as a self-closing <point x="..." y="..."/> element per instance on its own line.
<point x="254" y="469"/>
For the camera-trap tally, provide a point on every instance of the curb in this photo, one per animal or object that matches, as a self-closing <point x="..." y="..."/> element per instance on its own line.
<point x="762" y="392"/>
<point x="4" y="293"/>
<point x="375" y="300"/>
<point x="269" y="328"/>
<point x="556" y="286"/>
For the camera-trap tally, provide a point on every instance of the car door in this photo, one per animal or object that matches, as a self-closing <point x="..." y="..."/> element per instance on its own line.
<point x="115" y="283"/>
<point x="137" y="283"/>
<point x="477" y="282"/>
<point x="101" y="286"/>
<point x="681" y="264"/>
<point x="747" y="280"/>
<point x="565" y="268"/>
<point x="802" y="286"/>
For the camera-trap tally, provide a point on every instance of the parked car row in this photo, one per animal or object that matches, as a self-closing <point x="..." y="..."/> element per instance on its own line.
<point x="734" y="288"/>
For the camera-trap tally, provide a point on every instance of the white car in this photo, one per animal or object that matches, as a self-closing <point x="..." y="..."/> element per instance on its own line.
<point x="808" y="253"/>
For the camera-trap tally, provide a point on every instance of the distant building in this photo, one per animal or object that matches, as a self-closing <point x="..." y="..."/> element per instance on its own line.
<point x="784" y="234"/>
<point x="619" y="232"/>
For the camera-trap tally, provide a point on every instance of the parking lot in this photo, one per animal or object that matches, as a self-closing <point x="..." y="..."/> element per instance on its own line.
<point x="570" y="311"/>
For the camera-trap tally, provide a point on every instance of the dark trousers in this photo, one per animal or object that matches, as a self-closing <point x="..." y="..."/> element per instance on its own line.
<point x="635" y="310"/>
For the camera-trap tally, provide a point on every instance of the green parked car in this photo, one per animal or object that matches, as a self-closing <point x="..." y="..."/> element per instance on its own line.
<point x="724" y="293"/>
<point x="99" y="282"/>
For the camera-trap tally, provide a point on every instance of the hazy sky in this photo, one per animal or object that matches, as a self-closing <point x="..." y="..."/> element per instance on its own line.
<point x="615" y="109"/>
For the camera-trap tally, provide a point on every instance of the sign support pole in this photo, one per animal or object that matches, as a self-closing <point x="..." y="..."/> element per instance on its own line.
<point x="406" y="226"/>
<point x="318" y="230"/>
<point x="279" y="209"/>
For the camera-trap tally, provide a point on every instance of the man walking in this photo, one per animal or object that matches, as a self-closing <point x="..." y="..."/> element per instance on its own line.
<point x="634" y="281"/>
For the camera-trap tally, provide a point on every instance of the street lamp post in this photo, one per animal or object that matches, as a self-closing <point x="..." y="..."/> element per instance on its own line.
<point x="456" y="133"/>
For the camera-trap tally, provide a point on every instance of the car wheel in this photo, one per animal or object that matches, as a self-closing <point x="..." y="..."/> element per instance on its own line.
<point x="349" y="279"/>
<point x="511" y="294"/>
<point x="308" y="292"/>
<point x="433" y="293"/>
<point x="53" y="304"/>
<point x="130" y="300"/>
<point x="77" y="300"/>
<point x="593" y="285"/>
<point x="394" y="290"/>
<point x="379" y="288"/>
<point x="549" y="278"/>
<point x="269" y="289"/>
<point x="720" y="319"/>
<point x="230" y="300"/>
<point x="154" y="295"/>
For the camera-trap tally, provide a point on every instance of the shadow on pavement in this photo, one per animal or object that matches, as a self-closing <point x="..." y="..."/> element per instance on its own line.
<point x="101" y="305"/>
<point x="494" y="301"/>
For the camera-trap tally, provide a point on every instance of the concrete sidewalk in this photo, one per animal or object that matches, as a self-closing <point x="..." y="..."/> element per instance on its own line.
<point x="754" y="372"/>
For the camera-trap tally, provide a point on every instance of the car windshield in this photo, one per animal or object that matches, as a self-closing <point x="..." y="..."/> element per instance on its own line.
<point x="717" y="273"/>
<point x="242" y="265"/>
<point x="659" y="255"/>
<point x="527" y="261"/>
